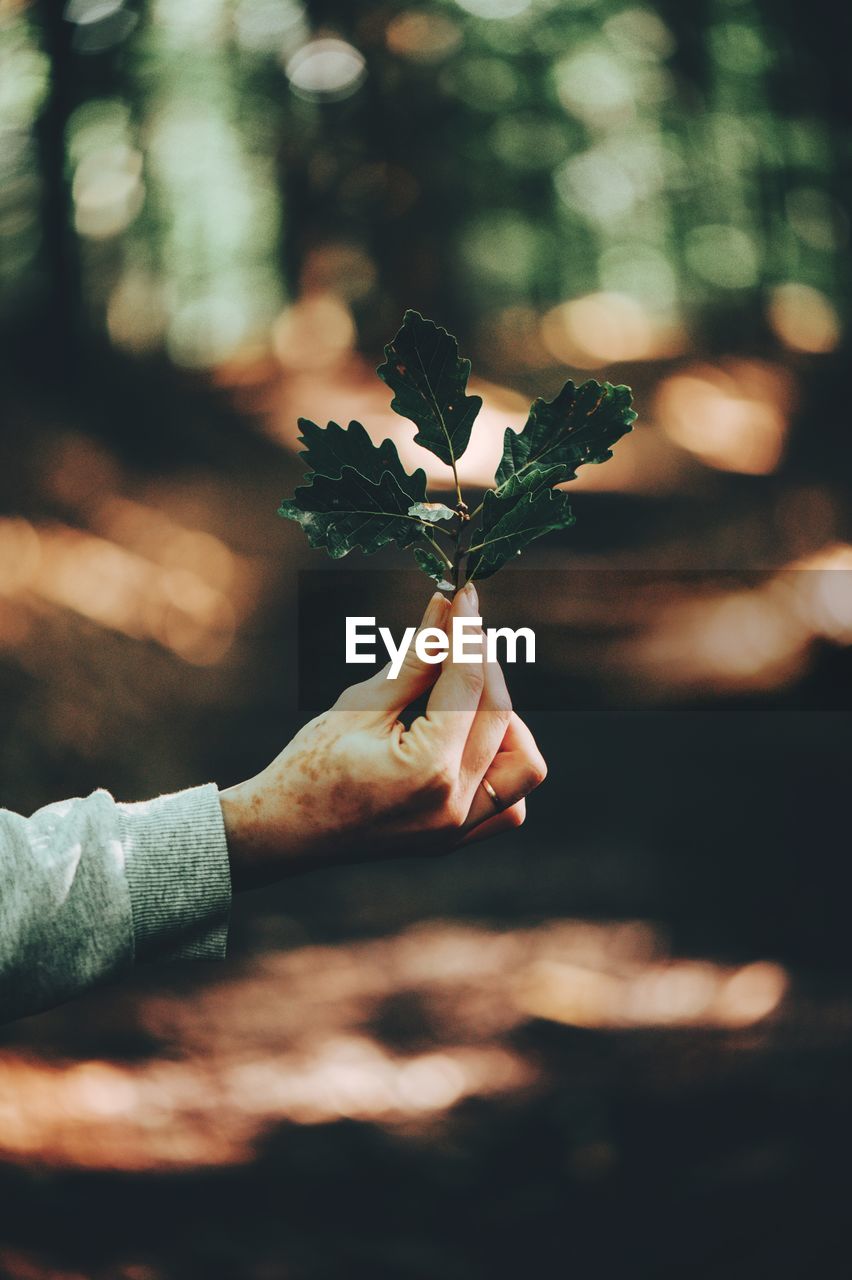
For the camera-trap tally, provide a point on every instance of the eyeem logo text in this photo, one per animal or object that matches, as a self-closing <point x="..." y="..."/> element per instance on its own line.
<point x="468" y="643"/>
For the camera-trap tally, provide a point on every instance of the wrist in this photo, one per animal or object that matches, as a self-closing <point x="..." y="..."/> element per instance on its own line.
<point x="242" y="837"/>
<point x="262" y="846"/>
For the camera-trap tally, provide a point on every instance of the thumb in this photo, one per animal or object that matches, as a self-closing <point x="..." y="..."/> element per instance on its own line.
<point x="390" y="697"/>
<point x="415" y="675"/>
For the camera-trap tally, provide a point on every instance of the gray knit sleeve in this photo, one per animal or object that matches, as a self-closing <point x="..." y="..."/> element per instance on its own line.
<point x="178" y="874"/>
<point x="88" y="885"/>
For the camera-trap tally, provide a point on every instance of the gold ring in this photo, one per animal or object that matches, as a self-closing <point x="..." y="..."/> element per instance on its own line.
<point x="489" y="791"/>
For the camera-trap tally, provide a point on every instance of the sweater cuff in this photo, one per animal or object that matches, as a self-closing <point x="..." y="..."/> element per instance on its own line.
<point x="178" y="874"/>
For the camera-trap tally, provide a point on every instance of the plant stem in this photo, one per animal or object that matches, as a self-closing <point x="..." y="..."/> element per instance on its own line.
<point x="436" y="529"/>
<point x="458" y="488"/>
<point x="440" y="550"/>
<point x="457" y="563"/>
<point x="459" y="554"/>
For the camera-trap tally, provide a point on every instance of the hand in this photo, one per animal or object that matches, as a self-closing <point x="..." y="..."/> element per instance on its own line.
<point x="355" y="784"/>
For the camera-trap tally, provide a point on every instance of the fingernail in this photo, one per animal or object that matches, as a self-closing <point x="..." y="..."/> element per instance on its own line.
<point x="434" y="609"/>
<point x="468" y="601"/>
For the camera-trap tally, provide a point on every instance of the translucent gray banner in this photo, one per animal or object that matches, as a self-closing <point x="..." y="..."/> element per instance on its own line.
<point x="611" y="638"/>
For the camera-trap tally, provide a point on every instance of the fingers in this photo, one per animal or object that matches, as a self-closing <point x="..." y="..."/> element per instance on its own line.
<point x="509" y="820"/>
<point x="490" y="725"/>
<point x="415" y="675"/>
<point x="454" y="700"/>
<point x="512" y="775"/>
<point x="519" y="738"/>
<point x="389" y="697"/>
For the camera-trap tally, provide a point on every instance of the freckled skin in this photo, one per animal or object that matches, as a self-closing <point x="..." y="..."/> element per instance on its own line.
<point x="355" y="785"/>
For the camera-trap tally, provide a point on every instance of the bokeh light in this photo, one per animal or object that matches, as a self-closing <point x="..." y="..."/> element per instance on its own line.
<point x="423" y="36"/>
<point x="734" y="416"/>
<point x="326" y="1061"/>
<point x="326" y="70"/>
<point x="804" y="318"/>
<point x="495" y="8"/>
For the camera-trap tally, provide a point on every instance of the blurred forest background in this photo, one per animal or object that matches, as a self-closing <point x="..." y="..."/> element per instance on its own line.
<point x="619" y="1041"/>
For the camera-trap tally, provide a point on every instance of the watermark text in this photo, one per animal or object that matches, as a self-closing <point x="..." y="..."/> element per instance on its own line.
<point x="468" y="642"/>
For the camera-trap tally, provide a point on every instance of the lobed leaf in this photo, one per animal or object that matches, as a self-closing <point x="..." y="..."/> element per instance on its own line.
<point x="524" y="508"/>
<point x="429" y="380"/>
<point x="579" y="425"/>
<point x="346" y="511"/>
<point x="330" y="449"/>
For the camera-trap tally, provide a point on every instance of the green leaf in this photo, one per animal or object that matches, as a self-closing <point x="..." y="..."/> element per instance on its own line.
<point x="433" y="566"/>
<point x="423" y="369"/>
<point x="349" y="510"/>
<point x="524" y="508"/>
<point x="579" y="425"/>
<point x="432" y="512"/>
<point x="330" y="449"/>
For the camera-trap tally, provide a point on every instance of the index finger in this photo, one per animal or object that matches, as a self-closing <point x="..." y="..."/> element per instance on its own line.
<point x="456" y="694"/>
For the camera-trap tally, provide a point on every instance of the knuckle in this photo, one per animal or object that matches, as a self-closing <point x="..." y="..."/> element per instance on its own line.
<point x="440" y="782"/>
<point x="517" y="814"/>
<point x="536" y="772"/>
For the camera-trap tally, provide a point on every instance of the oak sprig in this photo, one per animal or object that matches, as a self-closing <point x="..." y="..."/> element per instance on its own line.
<point x="358" y="494"/>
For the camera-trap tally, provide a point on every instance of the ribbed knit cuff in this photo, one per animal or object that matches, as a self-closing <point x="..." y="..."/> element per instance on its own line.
<point x="178" y="874"/>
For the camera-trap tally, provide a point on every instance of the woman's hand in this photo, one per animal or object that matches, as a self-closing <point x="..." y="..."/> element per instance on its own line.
<point x="355" y="784"/>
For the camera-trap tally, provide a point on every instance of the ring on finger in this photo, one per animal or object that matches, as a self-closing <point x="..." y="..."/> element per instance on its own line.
<point x="491" y="793"/>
